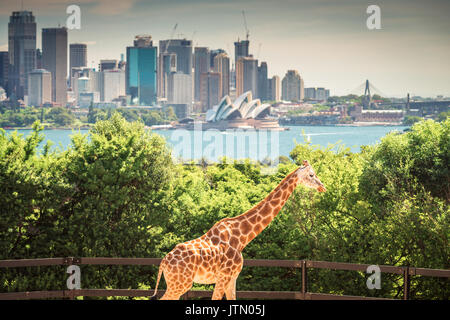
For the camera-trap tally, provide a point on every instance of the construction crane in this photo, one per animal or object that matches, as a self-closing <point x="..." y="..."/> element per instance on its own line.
<point x="247" y="33"/>
<point x="170" y="39"/>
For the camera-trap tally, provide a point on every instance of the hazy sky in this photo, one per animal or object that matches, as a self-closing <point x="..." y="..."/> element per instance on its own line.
<point x="327" y="41"/>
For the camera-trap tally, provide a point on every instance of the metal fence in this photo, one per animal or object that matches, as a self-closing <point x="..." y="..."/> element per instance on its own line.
<point x="302" y="294"/>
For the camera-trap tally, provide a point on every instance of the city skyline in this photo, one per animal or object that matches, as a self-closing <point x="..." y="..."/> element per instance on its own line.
<point x="328" y="43"/>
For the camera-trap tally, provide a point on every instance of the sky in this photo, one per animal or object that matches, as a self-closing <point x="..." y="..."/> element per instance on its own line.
<point x="327" y="41"/>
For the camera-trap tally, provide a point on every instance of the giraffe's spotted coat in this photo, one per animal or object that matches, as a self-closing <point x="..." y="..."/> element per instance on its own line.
<point x="216" y="256"/>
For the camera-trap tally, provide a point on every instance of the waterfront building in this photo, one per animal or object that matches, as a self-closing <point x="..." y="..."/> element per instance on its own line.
<point x="141" y="78"/>
<point x="22" y="51"/>
<point x="54" y="60"/>
<point x="247" y="76"/>
<point x="202" y="65"/>
<point x="39" y="87"/>
<point x="292" y="86"/>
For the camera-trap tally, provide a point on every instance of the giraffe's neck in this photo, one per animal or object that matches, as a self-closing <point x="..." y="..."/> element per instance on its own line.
<point x="260" y="216"/>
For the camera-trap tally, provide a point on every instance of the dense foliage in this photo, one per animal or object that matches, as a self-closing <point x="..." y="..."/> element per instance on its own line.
<point x="117" y="193"/>
<point x="64" y="117"/>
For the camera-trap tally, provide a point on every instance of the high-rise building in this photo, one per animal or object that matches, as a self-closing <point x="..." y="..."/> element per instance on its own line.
<point x="222" y="66"/>
<point x="202" y="65"/>
<point x="213" y="54"/>
<point x="78" y="55"/>
<point x="210" y="87"/>
<point x="292" y="86"/>
<point x="38" y="59"/>
<point x="113" y="84"/>
<point x="39" y="87"/>
<point x="166" y="65"/>
<point x="181" y="59"/>
<point x="54" y="60"/>
<point x="183" y="49"/>
<point x="4" y="66"/>
<point x="321" y="94"/>
<point x="180" y="93"/>
<point x="263" y="82"/>
<point x="247" y="76"/>
<point x="240" y="50"/>
<point x="110" y="64"/>
<point x="22" y="51"/>
<point x="141" y="80"/>
<point x="274" y="88"/>
<point x="310" y="93"/>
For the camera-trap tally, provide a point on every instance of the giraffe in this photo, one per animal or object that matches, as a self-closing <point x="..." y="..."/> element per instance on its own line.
<point x="216" y="256"/>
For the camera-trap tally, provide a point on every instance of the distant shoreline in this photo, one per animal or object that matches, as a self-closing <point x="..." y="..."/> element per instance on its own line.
<point x="358" y="124"/>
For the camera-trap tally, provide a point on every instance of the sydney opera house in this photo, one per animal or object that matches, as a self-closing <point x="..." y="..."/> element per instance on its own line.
<point x="245" y="113"/>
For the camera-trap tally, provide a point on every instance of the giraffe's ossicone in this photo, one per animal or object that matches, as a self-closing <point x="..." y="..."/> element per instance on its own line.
<point x="216" y="257"/>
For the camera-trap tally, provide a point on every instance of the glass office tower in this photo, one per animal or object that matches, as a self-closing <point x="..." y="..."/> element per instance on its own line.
<point x="141" y="81"/>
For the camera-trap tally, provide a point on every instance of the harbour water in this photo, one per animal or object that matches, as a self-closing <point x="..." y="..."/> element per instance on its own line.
<point x="256" y="145"/>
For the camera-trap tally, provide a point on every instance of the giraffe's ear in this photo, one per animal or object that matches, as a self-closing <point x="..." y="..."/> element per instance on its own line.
<point x="305" y="163"/>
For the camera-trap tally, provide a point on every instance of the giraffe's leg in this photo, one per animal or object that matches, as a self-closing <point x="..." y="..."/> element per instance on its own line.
<point x="220" y="288"/>
<point x="230" y="291"/>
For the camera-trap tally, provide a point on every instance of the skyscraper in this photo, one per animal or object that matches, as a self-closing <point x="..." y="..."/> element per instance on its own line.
<point x="247" y="76"/>
<point x="54" y="60"/>
<point x="166" y="65"/>
<point x="292" y="86"/>
<point x="202" y="65"/>
<point x="274" y="88"/>
<point x="240" y="50"/>
<point x="263" y="82"/>
<point x="183" y="49"/>
<point x="39" y="87"/>
<point x="78" y="55"/>
<point x="22" y="51"/>
<point x="213" y="54"/>
<point x="141" y="81"/>
<point x="174" y="54"/>
<point x="222" y="66"/>
<point x="113" y="84"/>
<point x="210" y="83"/>
<point x="4" y="66"/>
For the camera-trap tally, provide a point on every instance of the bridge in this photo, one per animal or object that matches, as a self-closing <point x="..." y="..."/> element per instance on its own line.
<point x="420" y="108"/>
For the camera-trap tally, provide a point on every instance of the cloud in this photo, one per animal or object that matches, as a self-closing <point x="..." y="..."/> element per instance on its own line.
<point x="58" y="7"/>
<point x="4" y="47"/>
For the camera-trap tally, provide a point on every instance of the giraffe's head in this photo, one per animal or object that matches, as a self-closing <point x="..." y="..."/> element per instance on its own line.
<point x="308" y="177"/>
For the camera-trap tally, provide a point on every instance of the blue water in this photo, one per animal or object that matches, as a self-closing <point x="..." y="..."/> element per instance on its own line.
<point x="256" y="145"/>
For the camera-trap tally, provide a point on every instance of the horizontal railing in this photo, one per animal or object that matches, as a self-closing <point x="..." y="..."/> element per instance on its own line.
<point x="303" y="294"/>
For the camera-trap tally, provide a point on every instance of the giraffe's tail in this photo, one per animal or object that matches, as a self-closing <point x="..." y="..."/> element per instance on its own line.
<point x="161" y="269"/>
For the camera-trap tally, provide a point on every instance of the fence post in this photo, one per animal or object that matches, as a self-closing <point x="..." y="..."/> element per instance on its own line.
<point x="406" y="283"/>
<point x="304" y="279"/>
